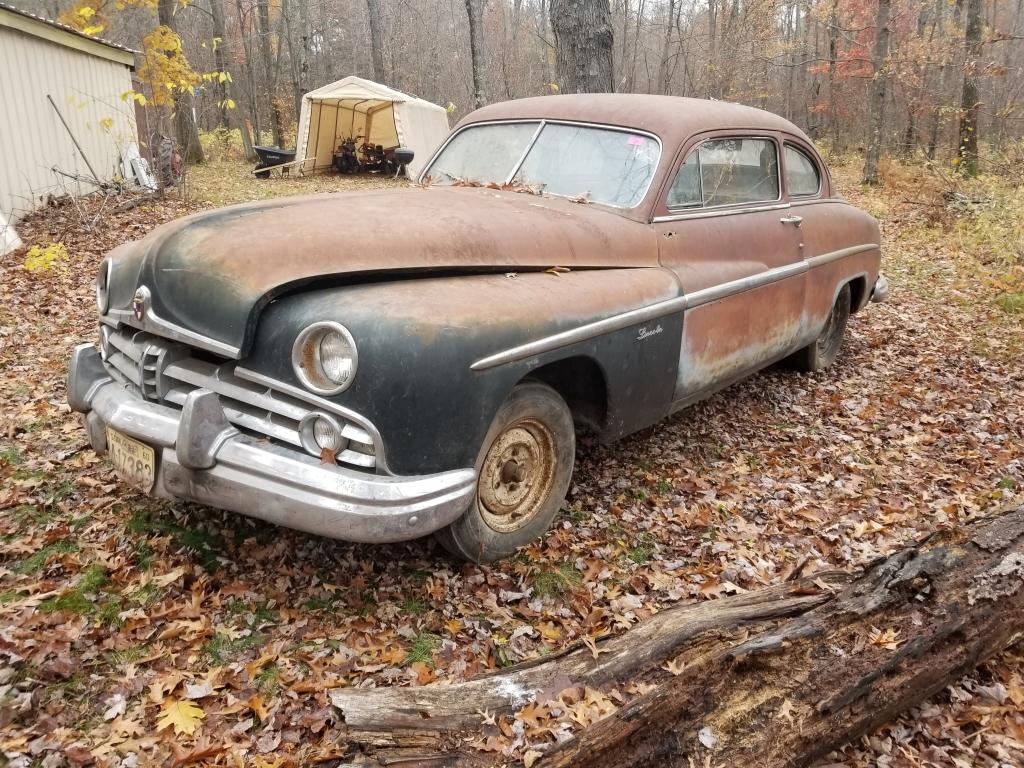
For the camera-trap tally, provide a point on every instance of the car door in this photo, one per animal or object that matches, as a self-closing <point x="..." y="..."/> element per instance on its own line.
<point x="726" y="231"/>
<point x="827" y="233"/>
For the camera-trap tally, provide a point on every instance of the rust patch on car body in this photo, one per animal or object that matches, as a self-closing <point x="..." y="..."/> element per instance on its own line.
<point x="232" y="261"/>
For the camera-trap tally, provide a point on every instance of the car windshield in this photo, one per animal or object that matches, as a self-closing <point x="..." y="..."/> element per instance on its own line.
<point x="601" y="165"/>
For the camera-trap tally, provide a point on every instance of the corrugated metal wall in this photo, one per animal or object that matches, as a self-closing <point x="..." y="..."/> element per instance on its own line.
<point x="87" y="90"/>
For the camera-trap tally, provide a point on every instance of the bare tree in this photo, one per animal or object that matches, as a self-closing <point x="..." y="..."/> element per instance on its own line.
<point x="376" y="39"/>
<point x="583" y="45"/>
<point x="224" y="61"/>
<point x="879" y="90"/>
<point x="184" y="115"/>
<point x="967" y="149"/>
<point x="475" y="12"/>
<point x="269" y="69"/>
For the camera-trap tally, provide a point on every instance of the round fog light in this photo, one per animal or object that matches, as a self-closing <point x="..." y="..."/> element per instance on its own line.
<point x="318" y="431"/>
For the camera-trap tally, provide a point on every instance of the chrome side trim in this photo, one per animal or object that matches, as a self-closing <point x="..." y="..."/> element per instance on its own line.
<point x="662" y="308"/>
<point x="153" y="323"/>
<point x="828" y="258"/>
<point x="819" y="201"/>
<point x="582" y="333"/>
<point x="704" y="213"/>
<point x="724" y="290"/>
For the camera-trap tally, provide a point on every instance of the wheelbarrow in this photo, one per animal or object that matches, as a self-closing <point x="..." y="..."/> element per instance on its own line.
<point x="271" y="158"/>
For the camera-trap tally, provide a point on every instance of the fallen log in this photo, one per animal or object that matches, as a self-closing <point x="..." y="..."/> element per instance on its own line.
<point x="775" y="677"/>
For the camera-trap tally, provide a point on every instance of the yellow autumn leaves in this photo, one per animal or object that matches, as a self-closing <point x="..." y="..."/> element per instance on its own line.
<point x="182" y="715"/>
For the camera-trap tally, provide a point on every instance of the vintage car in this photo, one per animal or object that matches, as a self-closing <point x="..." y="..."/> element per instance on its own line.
<point x="379" y="365"/>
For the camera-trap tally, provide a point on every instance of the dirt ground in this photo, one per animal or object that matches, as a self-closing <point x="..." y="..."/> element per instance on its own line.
<point x="138" y="632"/>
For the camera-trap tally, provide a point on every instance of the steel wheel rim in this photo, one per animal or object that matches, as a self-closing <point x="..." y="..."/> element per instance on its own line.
<point x="517" y="475"/>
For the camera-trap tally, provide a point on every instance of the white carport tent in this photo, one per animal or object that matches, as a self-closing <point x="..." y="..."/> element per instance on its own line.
<point x="354" y="106"/>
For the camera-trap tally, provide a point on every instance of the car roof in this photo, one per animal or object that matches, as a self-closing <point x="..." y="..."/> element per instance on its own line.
<point x="673" y="118"/>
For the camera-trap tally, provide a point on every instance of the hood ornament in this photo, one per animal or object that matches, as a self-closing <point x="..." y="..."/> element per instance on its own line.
<point x="139" y="301"/>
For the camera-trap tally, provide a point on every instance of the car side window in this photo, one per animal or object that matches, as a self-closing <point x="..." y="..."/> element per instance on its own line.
<point x="728" y="171"/>
<point x="802" y="176"/>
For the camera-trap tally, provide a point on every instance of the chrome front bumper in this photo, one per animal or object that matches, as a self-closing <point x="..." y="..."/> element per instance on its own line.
<point x="202" y="457"/>
<point x="881" y="290"/>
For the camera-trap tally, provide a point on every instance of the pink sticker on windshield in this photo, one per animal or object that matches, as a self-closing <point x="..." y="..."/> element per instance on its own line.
<point x="636" y="141"/>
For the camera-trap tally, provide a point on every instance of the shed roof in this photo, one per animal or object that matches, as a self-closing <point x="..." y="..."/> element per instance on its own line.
<point x="673" y="118"/>
<point x="63" y="34"/>
<point x="354" y="88"/>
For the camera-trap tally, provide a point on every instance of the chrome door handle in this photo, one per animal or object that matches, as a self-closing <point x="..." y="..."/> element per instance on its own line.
<point x="794" y="220"/>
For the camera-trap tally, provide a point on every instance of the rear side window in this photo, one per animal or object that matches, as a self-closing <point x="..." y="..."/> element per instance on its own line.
<point x="729" y="171"/>
<point x="802" y="176"/>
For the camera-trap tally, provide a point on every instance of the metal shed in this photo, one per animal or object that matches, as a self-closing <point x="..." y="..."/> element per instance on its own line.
<point x="86" y="78"/>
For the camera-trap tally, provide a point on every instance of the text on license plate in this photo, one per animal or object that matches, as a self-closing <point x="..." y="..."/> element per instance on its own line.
<point x="132" y="460"/>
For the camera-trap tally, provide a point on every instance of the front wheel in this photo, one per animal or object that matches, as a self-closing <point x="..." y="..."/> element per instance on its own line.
<point x="523" y="473"/>
<point x="822" y="352"/>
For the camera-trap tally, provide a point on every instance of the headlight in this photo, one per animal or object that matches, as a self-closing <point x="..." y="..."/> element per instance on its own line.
<point x="324" y="358"/>
<point x="103" y="286"/>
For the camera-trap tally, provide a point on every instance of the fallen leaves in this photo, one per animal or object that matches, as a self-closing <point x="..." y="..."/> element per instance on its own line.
<point x="183" y="716"/>
<point x="249" y="624"/>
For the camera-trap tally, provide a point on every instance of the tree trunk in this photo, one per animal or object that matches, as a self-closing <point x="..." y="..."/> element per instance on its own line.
<point x="833" y="61"/>
<point x="185" y="127"/>
<point x="269" y="69"/>
<point x="220" y="61"/>
<point x="665" y="70"/>
<point x="224" y="58"/>
<point x="583" y="45"/>
<point x="879" y="90"/>
<point x="250" y="72"/>
<point x="776" y="677"/>
<point x="475" y="12"/>
<point x="967" y="150"/>
<point x="940" y="89"/>
<point x="376" y="23"/>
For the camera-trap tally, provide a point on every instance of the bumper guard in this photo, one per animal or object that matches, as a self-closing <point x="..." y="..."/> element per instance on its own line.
<point x="203" y="458"/>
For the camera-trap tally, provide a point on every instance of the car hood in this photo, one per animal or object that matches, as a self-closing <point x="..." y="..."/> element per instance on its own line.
<point x="210" y="274"/>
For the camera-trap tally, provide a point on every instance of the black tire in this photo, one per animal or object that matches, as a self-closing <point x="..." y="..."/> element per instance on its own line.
<point x="523" y="468"/>
<point x="822" y="352"/>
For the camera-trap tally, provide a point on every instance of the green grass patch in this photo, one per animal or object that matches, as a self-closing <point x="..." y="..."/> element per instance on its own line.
<point x="221" y="648"/>
<point x="414" y="605"/>
<point x="76" y="600"/>
<point x="663" y="486"/>
<point x="10" y="455"/>
<point x="29" y="515"/>
<point x="127" y="655"/>
<point x="556" y="581"/>
<point x="36" y="562"/>
<point x="206" y="547"/>
<point x="1007" y="483"/>
<point x="640" y="554"/>
<point x="422" y="649"/>
<point x="1011" y="303"/>
<point x="577" y="514"/>
<point x="326" y="603"/>
<point x="267" y="680"/>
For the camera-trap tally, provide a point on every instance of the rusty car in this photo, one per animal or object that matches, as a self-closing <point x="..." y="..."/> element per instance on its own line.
<point x="564" y="263"/>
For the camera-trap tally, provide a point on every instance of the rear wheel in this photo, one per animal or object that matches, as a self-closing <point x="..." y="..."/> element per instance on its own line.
<point x="822" y="352"/>
<point x="523" y="473"/>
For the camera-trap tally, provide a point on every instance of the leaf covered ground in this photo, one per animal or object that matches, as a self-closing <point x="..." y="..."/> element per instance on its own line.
<point x="138" y="632"/>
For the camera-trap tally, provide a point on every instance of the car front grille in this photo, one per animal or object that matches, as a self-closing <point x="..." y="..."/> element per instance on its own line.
<point x="166" y="372"/>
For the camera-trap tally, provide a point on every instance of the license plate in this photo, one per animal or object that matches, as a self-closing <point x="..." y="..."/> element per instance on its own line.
<point x="133" y="461"/>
